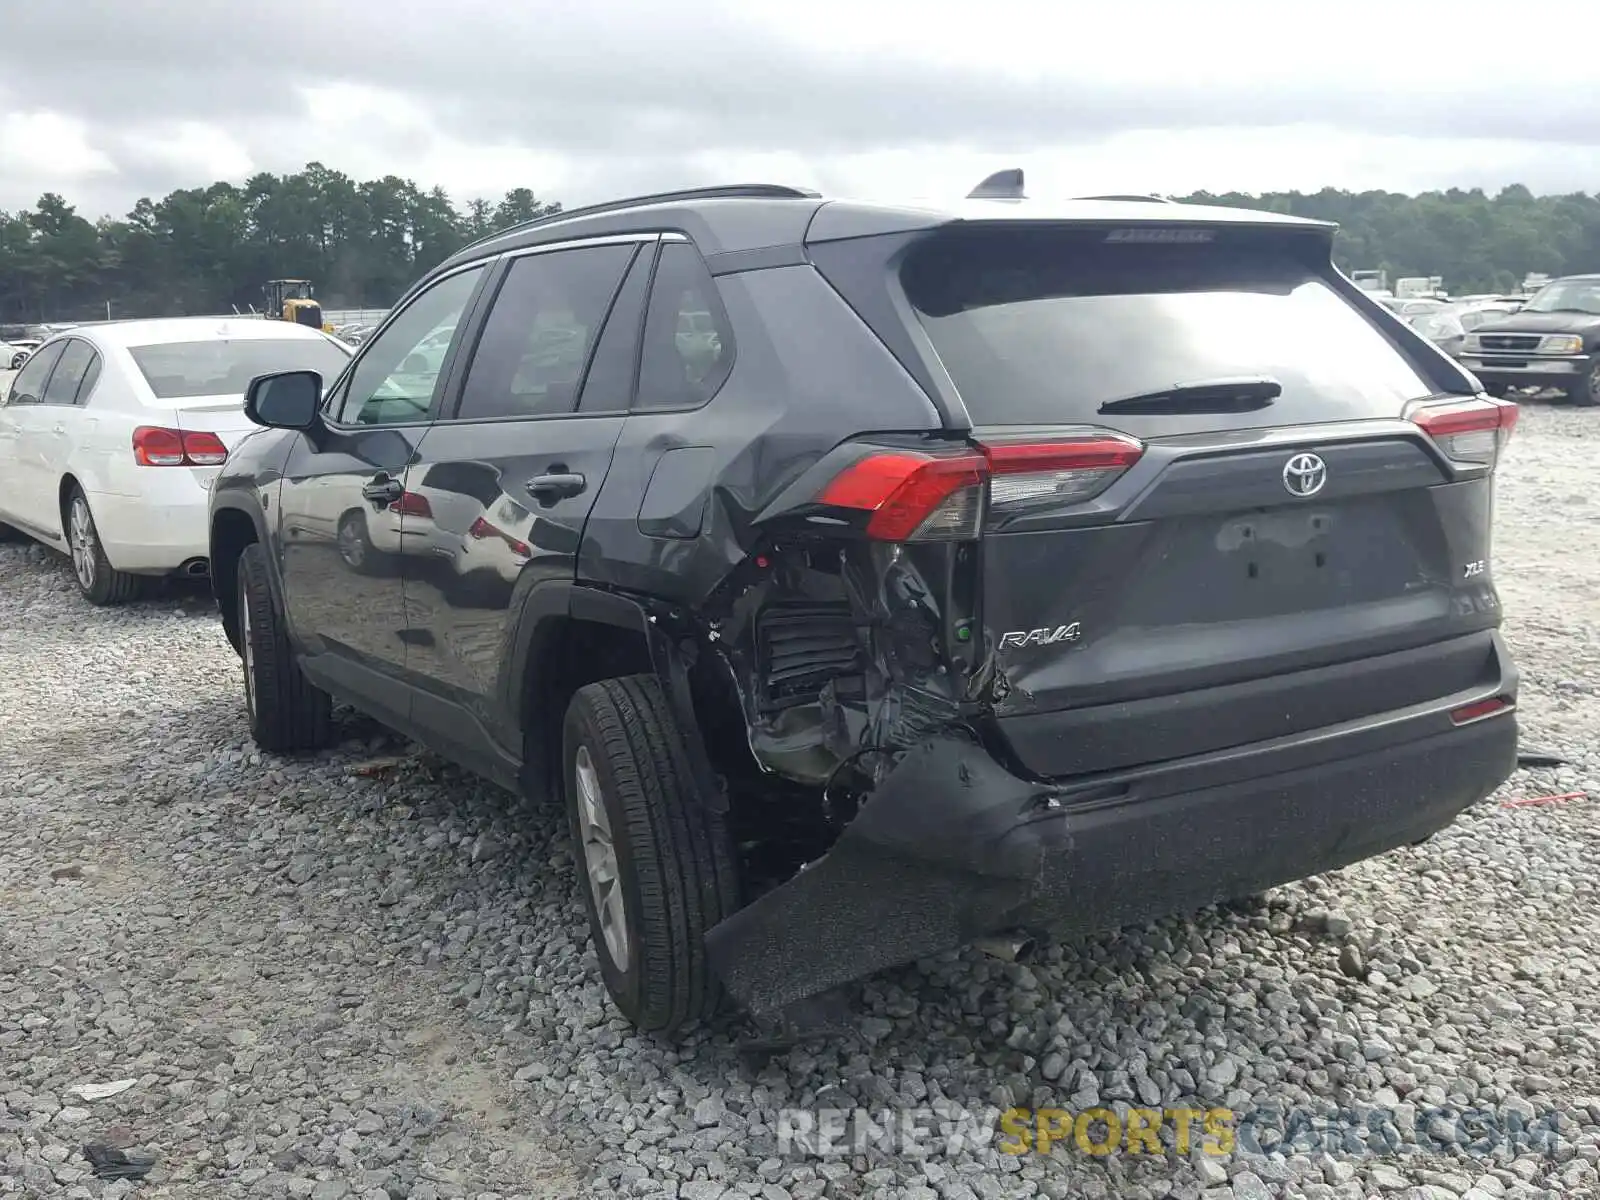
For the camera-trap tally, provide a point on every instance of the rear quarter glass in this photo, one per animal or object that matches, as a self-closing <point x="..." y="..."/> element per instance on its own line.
<point x="1041" y="327"/>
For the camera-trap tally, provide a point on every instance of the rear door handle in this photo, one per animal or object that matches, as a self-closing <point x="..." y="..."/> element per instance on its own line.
<point x="382" y="490"/>
<point x="558" y="485"/>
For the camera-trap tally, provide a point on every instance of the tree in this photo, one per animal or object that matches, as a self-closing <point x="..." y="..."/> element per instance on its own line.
<point x="210" y="249"/>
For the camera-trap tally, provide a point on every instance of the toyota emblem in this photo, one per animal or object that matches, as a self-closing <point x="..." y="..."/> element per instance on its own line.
<point x="1304" y="475"/>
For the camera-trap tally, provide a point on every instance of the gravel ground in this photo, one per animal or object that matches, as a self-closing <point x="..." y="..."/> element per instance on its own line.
<point x="330" y="978"/>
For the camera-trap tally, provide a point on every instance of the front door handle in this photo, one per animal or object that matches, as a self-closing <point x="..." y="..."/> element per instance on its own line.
<point x="61" y="429"/>
<point x="558" y="485"/>
<point x="382" y="490"/>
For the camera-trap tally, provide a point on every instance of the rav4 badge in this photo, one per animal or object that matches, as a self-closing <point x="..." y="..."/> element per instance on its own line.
<point x="1041" y="637"/>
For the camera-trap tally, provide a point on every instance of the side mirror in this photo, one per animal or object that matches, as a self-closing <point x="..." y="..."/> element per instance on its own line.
<point x="414" y="364"/>
<point x="284" y="400"/>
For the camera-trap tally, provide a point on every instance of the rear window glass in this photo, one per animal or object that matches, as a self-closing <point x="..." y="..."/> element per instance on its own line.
<point x="224" y="367"/>
<point x="1045" y="326"/>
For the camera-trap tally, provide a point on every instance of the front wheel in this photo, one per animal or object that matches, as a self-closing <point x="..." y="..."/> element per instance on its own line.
<point x="1586" y="393"/>
<point x="657" y="864"/>
<point x="287" y="711"/>
<point x="101" y="583"/>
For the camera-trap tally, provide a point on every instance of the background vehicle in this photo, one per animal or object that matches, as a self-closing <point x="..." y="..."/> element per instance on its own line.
<point x="1448" y="327"/>
<point x="14" y="354"/>
<point x="912" y="601"/>
<point x="291" y="300"/>
<point x="1553" y="341"/>
<point x="111" y="434"/>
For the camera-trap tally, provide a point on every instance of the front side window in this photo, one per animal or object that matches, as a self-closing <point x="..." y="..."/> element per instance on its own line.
<point x="28" y="386"/>
<point x="397" y="376"/>
<point x="536" y="339"/>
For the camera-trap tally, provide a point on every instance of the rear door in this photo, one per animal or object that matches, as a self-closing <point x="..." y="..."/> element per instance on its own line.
<point x="510" y="474"/>
<point x="1168" y="570"/>
<point x="343" y="506"/>
<point x="60" y="426"/>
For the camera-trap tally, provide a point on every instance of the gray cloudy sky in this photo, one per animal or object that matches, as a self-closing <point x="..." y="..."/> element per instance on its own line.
<point x="108" y="100"/>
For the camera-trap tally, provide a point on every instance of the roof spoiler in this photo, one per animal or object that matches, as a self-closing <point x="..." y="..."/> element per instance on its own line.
<point x="1002" y="185"/>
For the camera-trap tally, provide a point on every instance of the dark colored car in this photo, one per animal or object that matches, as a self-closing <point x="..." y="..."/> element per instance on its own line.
<point x="1553" y="341"/>
<point x="869" y="580"/>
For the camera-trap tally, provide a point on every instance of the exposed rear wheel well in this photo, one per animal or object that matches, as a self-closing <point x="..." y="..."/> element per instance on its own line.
<point x="569" y="654"/>
<point x="231" y="532"/>
<point x="64" y="490"/>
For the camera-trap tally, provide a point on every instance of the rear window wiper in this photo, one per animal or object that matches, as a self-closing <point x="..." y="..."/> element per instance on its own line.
<point x="1208" y="395"/>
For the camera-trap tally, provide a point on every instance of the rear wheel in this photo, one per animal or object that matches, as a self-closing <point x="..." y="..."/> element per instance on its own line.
<point x="1586" y="393"/>
<point x="287" y="711"/>
<point x="657" y="864"/>
<point x="100" y="582"/>
<point x="17" y="361"/>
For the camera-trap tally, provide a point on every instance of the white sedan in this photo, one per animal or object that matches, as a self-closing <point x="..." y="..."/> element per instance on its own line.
<point x="111" y="435"/>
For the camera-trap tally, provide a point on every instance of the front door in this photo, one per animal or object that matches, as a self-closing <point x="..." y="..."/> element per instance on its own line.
<point x="510" y="472"/>
<point x="346" y="520"/>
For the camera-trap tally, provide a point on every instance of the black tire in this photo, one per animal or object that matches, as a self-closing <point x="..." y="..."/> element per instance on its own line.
<point x="1497" y="390"/>
<point x="675" y="861"/>
<point x="8" y="534"/>
<point x="287" y="712"/>
<point x="18" y="361"/>
<point x="1586" y="392"/>
<point x="101" y="583"/>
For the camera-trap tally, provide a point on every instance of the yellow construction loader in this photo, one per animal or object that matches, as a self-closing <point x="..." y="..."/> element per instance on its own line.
<point x="291" y="300"/>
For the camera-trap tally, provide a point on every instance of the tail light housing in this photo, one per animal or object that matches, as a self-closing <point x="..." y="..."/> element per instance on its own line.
<point x="481" y="530"/>
<point x="913" y="495"/>
<point x="158" y="446"/>
<point x="411" y="504"/>
<point x="1470" y="432"/>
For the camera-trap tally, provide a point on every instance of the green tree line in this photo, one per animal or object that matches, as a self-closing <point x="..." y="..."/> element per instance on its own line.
<point x="209" y="250"/>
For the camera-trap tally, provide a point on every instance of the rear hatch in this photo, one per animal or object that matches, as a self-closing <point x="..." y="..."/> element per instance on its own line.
<point x="1225" y="503"/>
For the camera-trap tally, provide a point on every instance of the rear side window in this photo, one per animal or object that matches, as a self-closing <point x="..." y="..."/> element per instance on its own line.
<point x="1044" y="326"/>
<point x="67" y="378"/>
<point x="688" y="349"/>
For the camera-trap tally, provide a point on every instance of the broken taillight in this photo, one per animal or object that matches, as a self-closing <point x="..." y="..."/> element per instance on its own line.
<point x="916" y="496"/>
<point x="1471" y="432"/>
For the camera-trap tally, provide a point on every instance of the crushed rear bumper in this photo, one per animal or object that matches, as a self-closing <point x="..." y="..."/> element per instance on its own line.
<point x="953" y="847"/>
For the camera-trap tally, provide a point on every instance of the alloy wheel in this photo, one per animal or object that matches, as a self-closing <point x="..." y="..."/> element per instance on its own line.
<point x="247" y="641"/>
<point x="600" y="859"/>
<point x="83" y="543"/>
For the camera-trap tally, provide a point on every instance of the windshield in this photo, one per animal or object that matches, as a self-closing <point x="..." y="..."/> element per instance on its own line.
<point x="1044" y="327"/>
<point x="221" y="367"/>
<point x="1567" y="295"/>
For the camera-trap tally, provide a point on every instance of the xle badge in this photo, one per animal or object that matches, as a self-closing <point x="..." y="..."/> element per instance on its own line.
<point x="1019" y="638"/>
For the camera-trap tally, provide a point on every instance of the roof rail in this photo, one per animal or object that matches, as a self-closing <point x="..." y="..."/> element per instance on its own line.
<point x="1150" y="199"/>
<point x="749" y="191"/>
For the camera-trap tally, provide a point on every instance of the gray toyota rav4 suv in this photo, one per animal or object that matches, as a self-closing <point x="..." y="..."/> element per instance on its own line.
<point x="869" y="579"/>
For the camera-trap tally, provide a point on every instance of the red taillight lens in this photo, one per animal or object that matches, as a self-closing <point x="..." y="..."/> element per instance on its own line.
<point x="156" y="446"/>
<point x="914" y="496"/>
<point x="204" y="449"/>
<point x="1480" y="709"/>
<point x="481" y="529"/>
<point x="911" y="494"/>
<point x="411" y="504"/>
<point x="1469" y="431"/>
